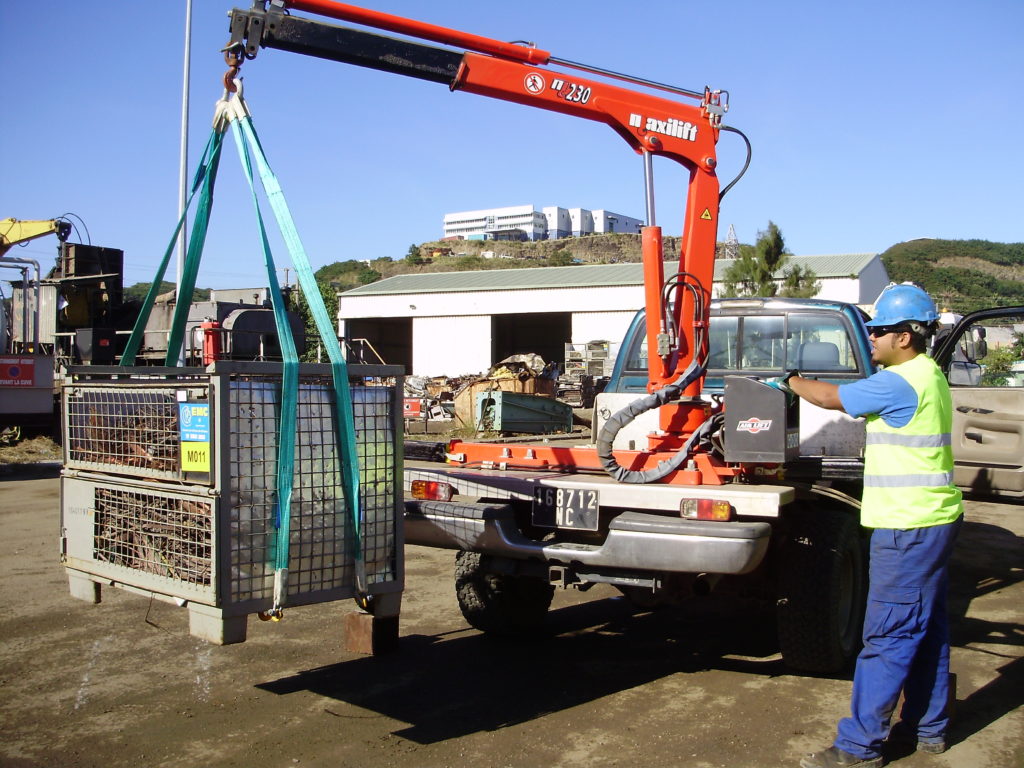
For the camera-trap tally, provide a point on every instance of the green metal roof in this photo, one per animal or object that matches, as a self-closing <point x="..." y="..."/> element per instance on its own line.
<point x="580" y="276"/>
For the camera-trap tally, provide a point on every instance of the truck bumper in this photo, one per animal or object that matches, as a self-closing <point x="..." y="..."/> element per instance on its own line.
<point x="636" y="541"/>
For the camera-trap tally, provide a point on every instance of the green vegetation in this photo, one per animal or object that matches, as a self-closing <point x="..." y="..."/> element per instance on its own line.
<point x="138" y="291"/>
<point x="753" y="273"/>
<point x="348" y="274"/>
<point x="998" y="363"/>
<point x="329" y="293"/>
<point x="962" y="275"/>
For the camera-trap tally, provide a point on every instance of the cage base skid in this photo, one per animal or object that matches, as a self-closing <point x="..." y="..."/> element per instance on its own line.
<point x="370" y="634"/>
<point x="225" y="627"/>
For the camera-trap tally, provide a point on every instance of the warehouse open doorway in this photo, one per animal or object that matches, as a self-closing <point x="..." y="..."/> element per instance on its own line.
<point x="391" y="337"/>
<point x="542" y="333"/>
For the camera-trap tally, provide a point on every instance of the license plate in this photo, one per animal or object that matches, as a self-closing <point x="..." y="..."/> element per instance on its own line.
<point x="565" y="508"/>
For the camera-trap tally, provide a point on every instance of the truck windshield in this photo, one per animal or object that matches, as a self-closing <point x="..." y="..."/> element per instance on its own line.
<point x="800" y="340"/>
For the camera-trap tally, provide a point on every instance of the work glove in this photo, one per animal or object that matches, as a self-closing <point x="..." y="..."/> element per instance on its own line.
<point x="781" y="383"/>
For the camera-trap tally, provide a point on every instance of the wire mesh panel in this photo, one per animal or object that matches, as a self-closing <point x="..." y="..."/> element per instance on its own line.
<point x="169" y="536"/>
<point x="129" y="430"/>
<point x="377" y="444"/>
<point x="142" y="535"/>
<point x="321" y="540"/>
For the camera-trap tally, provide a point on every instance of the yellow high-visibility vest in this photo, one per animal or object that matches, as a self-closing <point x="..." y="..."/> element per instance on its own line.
<point x="908" y="470"/>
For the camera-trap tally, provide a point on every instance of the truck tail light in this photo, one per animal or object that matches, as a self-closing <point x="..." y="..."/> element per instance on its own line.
<point x="706" y="509"/>
<point x="432" y="490"/>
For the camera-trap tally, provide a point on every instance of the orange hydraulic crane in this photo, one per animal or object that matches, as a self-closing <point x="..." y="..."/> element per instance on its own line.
<point x="653" y="121"/>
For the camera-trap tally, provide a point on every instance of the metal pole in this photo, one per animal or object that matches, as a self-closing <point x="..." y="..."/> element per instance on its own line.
<point x="183" y="169"/>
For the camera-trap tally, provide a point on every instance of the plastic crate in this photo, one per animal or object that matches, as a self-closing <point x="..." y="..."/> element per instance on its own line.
<point x="169" y="488"/>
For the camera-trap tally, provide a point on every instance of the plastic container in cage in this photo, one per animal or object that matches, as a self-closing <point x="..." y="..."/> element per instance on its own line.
<point x="169" y="488"/>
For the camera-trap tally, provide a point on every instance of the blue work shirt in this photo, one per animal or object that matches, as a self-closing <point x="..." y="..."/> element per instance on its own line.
<point x="886" y="393"/>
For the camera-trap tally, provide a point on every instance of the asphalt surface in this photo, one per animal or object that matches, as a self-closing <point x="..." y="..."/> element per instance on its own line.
<point x="122" y="683"/>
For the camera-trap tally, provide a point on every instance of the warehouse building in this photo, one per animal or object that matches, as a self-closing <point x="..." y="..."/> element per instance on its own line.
<point x="524" y="222"/>
<point x="455" y="323"/>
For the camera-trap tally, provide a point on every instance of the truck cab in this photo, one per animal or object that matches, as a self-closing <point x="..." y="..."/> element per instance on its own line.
<point x="760" y="338"/>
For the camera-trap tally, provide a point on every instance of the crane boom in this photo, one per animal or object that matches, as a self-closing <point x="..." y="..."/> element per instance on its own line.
<point x="14" y="231"/>
<point x="652" y="124"/>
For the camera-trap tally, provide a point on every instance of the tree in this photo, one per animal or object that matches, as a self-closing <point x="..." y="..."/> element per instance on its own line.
<point x="754" y="272"/>
<point x="330" y="296"/>
<point x="412" y="256"/>
<point x="800" y="283"/>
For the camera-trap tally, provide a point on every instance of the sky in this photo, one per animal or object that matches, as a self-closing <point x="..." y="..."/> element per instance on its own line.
<point x="872" y="123"/>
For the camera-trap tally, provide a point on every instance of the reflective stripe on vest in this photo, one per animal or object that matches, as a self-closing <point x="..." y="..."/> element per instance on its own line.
<point x="933" y="480"/>
<point x="908" y="470"/>
<point x="913" y="441"/>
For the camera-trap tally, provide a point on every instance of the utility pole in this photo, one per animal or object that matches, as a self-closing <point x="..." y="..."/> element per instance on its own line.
<point x="183" y="169"/>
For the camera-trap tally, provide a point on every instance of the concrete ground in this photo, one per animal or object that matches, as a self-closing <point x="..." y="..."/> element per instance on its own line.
<point x="123" y="684"/>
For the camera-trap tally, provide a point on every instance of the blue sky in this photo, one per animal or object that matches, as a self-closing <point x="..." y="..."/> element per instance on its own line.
<point x="871" y="123"/>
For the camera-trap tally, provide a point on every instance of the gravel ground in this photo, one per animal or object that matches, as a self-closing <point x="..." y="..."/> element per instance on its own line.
<point x="122" y="683"/>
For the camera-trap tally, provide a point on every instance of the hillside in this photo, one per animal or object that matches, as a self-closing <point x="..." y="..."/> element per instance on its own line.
<point x="467" y="255"/>
<point x="962" y="275"/>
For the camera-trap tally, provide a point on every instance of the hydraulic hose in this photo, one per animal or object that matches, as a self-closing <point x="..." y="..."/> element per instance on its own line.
<point x="620" y="419"/>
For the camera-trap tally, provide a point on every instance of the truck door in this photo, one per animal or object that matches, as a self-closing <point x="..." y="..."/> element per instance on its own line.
<point x="983" y="359"/>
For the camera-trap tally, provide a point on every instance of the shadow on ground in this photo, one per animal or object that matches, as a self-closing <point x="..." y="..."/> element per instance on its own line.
<point x="450" y="686"/>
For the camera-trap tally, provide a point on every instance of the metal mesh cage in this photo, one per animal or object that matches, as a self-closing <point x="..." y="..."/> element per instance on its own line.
<point x="218" y="529"/>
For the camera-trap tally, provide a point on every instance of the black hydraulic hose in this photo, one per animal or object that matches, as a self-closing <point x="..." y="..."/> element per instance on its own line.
<point x="746" y="165"/>
<point x="620" y="419"/>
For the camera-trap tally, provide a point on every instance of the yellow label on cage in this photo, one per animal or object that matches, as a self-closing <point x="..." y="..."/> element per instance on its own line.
<point x="195" y="457"/>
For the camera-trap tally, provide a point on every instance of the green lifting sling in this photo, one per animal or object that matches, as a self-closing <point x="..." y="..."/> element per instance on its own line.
<point x="234" y="112"/>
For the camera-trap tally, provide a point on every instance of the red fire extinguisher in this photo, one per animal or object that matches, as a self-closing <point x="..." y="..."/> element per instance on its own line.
<point x="211" y="341"/>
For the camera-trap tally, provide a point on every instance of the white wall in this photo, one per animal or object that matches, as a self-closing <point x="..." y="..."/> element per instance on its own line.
<point x="839" y="289"/>
<point x="417" y="305"/>
<point x="594" y="326"/>
<point x="451" y="346"/>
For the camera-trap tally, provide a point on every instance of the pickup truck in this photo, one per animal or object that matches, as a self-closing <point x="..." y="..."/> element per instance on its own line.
<point x="792" y="536"/>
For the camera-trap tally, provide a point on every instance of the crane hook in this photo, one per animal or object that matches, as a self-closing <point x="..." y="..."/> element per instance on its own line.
<point x="234" y="55"/>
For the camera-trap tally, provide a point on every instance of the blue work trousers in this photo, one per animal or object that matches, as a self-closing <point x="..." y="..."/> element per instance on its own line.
<point x="906" y="639"/>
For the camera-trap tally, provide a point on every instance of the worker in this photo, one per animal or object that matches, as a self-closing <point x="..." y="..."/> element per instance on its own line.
<point x="915" y="512"/>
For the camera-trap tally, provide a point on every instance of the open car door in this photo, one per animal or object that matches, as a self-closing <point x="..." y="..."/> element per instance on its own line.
<point x="983" y="359"/>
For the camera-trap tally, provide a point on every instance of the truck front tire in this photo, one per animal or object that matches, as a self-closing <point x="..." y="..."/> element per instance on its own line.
<point x="822" y="591"/>
<point x="498" y="602"/>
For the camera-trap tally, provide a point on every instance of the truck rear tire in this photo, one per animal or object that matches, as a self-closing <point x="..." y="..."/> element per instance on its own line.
<point x="822" y="591"/>
<point x="499" y="603"/>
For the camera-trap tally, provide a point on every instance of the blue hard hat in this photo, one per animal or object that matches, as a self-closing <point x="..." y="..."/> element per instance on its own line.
<point x="903" y="303"/>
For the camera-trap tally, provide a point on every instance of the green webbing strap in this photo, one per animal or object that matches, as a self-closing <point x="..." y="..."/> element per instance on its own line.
<point x="205" y="174"/>
<point x="343" y="396"/>
<point x="187" y="281"/>
<point x="289" y="404"/>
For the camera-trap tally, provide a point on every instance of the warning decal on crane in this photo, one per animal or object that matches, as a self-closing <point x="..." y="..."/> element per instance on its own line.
<point x="706" y="215"/>
<point x="534" y="83"/>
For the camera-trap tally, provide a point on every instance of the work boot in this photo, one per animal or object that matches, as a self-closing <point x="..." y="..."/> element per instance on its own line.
<point x="904" y="733"/>
<point x="833" y="757"/>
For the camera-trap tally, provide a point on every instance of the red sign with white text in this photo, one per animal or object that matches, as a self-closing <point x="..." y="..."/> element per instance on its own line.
<point x="17" y="372"/>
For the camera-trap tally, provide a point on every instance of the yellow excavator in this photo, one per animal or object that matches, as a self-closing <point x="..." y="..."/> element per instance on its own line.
<point x="14" y="231"/>
<point x="26" y="375"/>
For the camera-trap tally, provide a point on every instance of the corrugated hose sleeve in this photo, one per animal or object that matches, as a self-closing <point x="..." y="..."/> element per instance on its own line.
<point x="623" y="417"/>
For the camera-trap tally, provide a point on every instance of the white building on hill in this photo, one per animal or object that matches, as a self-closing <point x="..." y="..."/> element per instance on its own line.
<point x="524" y="222"/>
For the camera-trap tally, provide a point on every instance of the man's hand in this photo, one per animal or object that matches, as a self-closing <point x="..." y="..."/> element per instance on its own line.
<point x="781" y="383"/>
